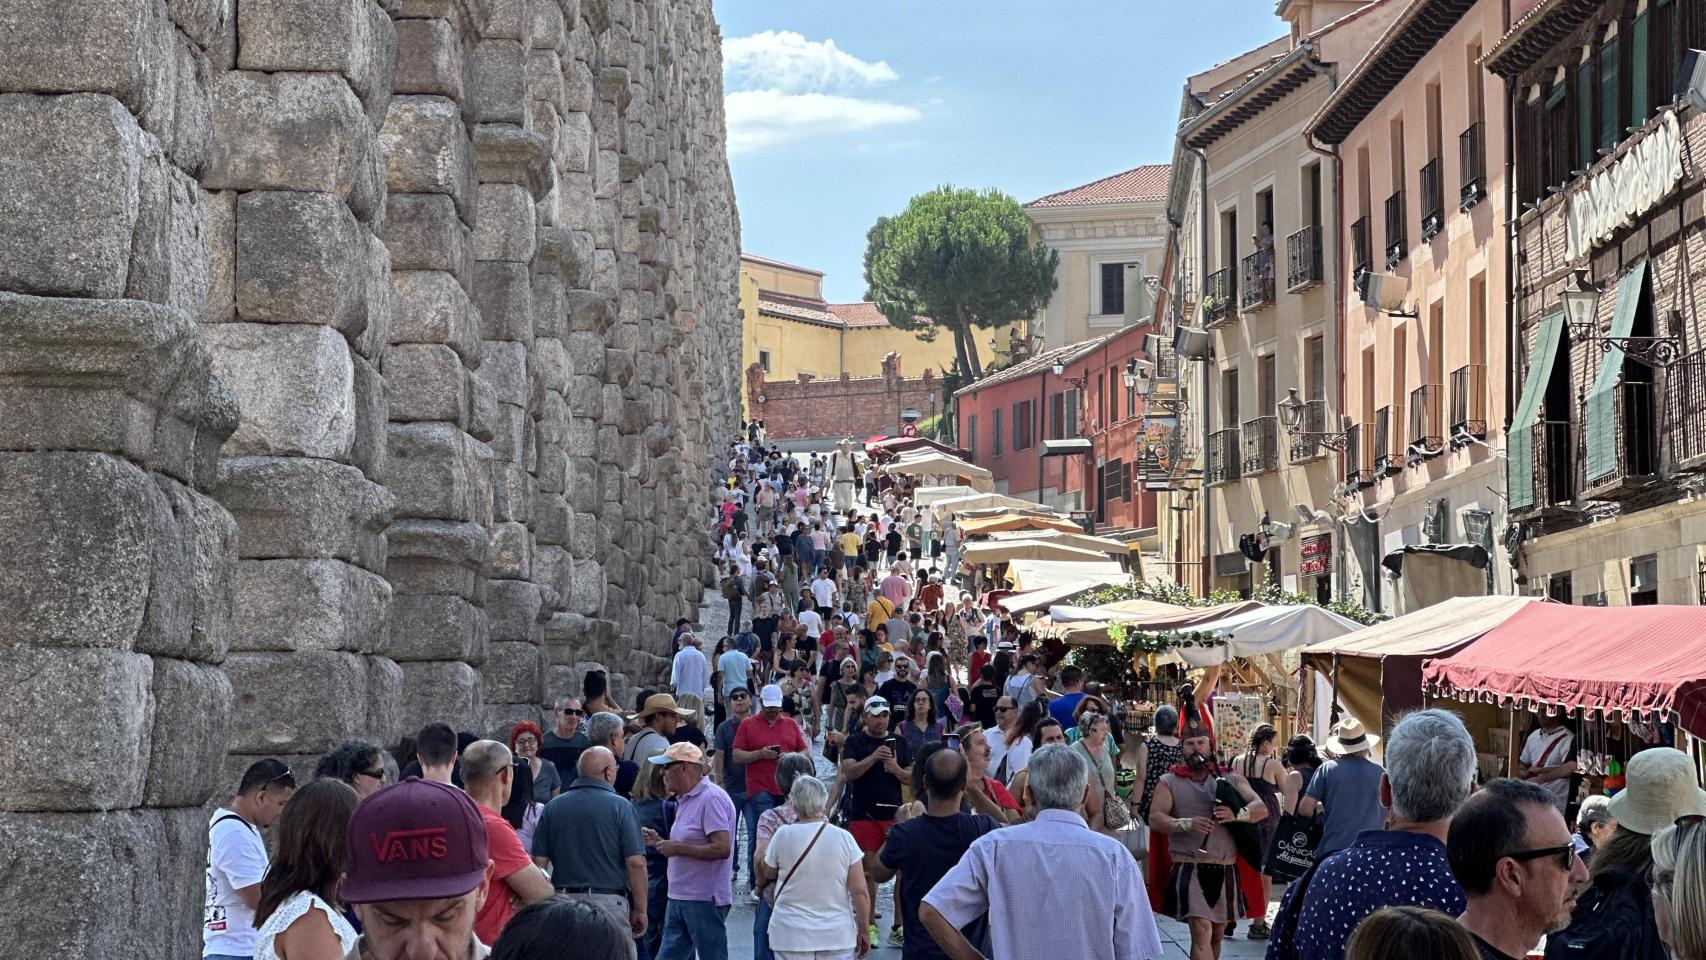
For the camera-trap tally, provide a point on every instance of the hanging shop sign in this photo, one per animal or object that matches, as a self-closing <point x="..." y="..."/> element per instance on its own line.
<point x="1159" y="434"/>
<point x="1317" y="556"/>
<point x="1625" y="190"/>
<point x="1231" y="565"/>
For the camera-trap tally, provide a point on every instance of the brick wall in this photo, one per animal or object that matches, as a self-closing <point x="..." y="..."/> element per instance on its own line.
<point x="856" y="407"/>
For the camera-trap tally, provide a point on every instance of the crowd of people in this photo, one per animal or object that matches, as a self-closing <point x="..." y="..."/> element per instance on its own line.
<point x="861" y="720"/>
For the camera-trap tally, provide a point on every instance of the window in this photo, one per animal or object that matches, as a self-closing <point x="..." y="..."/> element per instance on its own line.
<point x="764" y="360"/>
<point x="1558" y="587"/>
<point x="1610" y="104"/>
<point x="1315" y="350"/>
<point x="1644" y="581"/>
<point x="1024" y="424"/>
<point x="1112" y="289"/>
<point x="1229" y="411"/>
<point x="1102" y="400"/>
<point x="1071" y="413"/>
<point x="1114" y="382"/>
<point x="995" y="434"/>
<point x="1586" y="93"/>
<point x="1057" y="416"/>
<point x="1267" y="387"/>
<point x="971" y="435"/>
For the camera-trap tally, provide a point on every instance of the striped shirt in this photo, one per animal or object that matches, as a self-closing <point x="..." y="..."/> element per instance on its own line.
<point x="1097" y="910"/>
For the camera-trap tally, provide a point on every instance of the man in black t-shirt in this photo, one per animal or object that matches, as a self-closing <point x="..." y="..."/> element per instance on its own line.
<point x="899" y="688"/>
<point x="922" y="850"/>
<point x="874" y="763"/>
<point x="984" y="695"/>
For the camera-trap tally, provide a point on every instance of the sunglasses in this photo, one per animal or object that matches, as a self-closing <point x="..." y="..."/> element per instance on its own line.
<point x="573" y="713"/>
<point x="1566" y="855"/>
<point x="1002" y="709"/>
<point x="375" y="774"/>
<point x="285" y="779"/>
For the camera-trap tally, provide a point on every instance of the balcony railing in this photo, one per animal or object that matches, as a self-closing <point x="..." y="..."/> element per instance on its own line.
<point x="1166" y="360"/>
<point x="1256" y="275"/>
<point x="1388" y="447"/>
<point x="1433" y="200"/>
<point x="1686" y="394"/>
<point x="1357" y="474"/>
<point x="1397" y="243"/>
<point x="1468" y="404"/>
<point x="1362" y="251"/>
<point x="1554" y="463"/>
<point x="1427" y="423"/>
<point x="1635" y="440"/>
<point x="1224" y="463"/>
<point x="1217" y="292"/>
<point x="1303" y="259"/>
<point x="1306" y="440"/>
<point x="1473" y="162"/>
<point x="1261" y="445"/>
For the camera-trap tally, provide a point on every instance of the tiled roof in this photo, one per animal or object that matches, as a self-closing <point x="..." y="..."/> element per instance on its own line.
<point x="766" y="261"/>
<point x="1148" y="182"/>
<point x="1406" y="40"/>
<point x="1071" y="353"/>
<point x="855" y="315"/>
<point x="803" y="309"/>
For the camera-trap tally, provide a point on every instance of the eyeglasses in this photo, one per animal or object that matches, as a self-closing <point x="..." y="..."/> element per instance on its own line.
<point x="375" y="774"/>
<point x="1002" y="709"/>
<point x="285" y="779"/>
<point x="572" y="713"/>
<point x="1566" y="855"/>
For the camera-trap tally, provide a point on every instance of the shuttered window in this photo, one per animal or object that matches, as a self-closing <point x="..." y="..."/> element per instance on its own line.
<point x="1586" y="93"/>
<point x="1638" y="73"/>
<point x="1113" y="288"/>
<point x="1609" y="130"/>
<point x="1557" y="162"/>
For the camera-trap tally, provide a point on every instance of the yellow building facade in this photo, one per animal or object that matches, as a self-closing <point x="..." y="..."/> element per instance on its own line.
<point x="788" y="329"/>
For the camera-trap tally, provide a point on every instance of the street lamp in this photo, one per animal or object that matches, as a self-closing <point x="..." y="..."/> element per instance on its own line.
<point x="1581" y="311"/>
<point x="1290" y="412"/>
<point x="1581" y="304"/>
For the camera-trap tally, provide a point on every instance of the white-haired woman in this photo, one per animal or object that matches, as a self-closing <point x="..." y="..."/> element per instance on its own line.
<point x="822" y="908"/>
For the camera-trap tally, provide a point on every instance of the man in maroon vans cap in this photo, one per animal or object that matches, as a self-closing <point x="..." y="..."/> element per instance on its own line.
<point x="417" y="873"/>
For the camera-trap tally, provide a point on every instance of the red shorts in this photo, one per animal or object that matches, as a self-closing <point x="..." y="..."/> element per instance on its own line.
<point x="869" y="834"/>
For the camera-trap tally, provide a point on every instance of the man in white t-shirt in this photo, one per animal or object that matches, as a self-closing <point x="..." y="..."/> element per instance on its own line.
<point x="237" y="859"/>
<point x="813" y="623"/>
<point x="1549" y="758"/>
<point x="823" y="591"/>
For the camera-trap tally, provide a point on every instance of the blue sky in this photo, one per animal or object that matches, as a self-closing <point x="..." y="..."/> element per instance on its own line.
<point x="842" y="110"/>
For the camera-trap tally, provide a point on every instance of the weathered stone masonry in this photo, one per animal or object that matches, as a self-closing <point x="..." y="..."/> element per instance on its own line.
<point x="361" y="363"/>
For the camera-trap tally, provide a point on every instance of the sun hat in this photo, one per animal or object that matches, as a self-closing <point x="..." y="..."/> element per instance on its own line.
<point x="1349" y="737"/>
<point x="414" y="840"/>
<point x="1660" y="787"/>
<point x="682" y="752"/>
<point x="770" y="695"/>
<point x="660" y="703"/>
<point x="874" y="705"/>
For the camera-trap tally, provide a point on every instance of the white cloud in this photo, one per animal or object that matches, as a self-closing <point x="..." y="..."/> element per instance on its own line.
<point x="783" y="88"/>
<point x="786" y="61"/>
<point x="765" y="118"/>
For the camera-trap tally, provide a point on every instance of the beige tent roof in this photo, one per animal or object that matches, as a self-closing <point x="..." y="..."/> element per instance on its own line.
<point x="1006" y="551"/>
<point x="1076" y="538"/>
<point x="925" y="496"/>
<point x="981" y="501"/>
<point x="1036" y="574"/>
<point x="1023" y="522"/>
<point x="1047" y="597"/>
<point x="1428" y="632"/>
<point x="938" y="464"/>
<point x="1088" y="626"/>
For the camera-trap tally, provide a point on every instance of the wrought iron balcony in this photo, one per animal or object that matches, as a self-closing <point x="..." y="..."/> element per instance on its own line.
<point x="1554" y="464"/>
<point x="1357" y="474"/>
<point x="1388" y="447"/>
<point x="1472" y="161"/>
<point x="1224" y="463"/>
<point x="1686" y="396"/>
<point x="1256" y="276"/>
<point x="1397" y="242"/>
<point x="1303" y="259"/>
<point x="1427" y="424"/>
<point x="1305" y="440"/>
<point x="1362" y="250"/>
<point x="1218" y="290"/>
<point x="1468" y="404"/>
<point x="1634" y="428"/>
<point x="1261" y="445"/>
<point x="1433" y="201"/>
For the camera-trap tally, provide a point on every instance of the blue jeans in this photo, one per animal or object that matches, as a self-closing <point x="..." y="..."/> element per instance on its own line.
<point x="739" y="800"/>
<point x="761" y="930"/>
<point x="694" y="926"/>
<point x="757" y="802"/>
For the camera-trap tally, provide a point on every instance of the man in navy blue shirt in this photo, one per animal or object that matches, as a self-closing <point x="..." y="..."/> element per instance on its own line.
<point x="926" y="847"/>
<point x="1430" y="767"/>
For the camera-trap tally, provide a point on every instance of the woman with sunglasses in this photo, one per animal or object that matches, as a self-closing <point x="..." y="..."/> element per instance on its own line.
<point x="524" y="739"/>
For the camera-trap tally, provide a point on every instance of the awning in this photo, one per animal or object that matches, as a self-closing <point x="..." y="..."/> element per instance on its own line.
<point x="1606" y="660"/>
<point x="1519" y="439"/>
<point x="1015" y="520"/>
<point x="1600" y="412"/>
<point x="936" y="464"/>
<point x="1006" y="551"/>
<point x="926" y="496"/>
<point x="982" y="501"/>
<point x="1048" y="596"/>
<point x="1267" y="630"/>
<point x="1073" y="537"/>
<point x="1088" y="626"/>
<point x="1432" y="632"/>
<point x="1035" y="574"/>
<point x="900" y="445"/>
<point x="1067" y="448"/>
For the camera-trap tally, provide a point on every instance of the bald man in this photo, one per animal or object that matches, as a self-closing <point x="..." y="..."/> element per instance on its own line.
<point x="589" y="838"/>
<point x="488" y="774"/>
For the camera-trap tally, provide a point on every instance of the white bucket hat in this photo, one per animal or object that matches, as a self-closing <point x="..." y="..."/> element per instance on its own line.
<point x="1349" y="737"/>
<point x="1662" y="786"/>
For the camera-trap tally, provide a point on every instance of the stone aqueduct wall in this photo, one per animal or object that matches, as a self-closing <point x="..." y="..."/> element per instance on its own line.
<point x="360" y="363"/>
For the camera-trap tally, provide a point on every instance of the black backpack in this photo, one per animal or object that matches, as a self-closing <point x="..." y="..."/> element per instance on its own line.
<point x="1613" y="920"/>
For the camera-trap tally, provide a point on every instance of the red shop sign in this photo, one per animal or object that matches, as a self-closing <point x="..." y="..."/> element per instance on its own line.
<point x="1317" y="559"/>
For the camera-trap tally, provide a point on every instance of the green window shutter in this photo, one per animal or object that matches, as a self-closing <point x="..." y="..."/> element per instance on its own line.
<point x="1638" y="106"/>
<point x="1599" y="418"/>
<point x="1584" y="114"/>
<point x="1519" y="441"/>
<point x="1609" y="131"/>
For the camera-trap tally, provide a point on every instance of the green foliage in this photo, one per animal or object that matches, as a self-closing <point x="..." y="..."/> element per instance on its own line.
<point x="958" y="259"/>
<point x="1140" y="641"/>
<point x="1105" y="665"/>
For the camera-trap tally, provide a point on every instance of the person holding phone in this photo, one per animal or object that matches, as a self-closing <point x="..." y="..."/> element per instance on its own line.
<point x="759" y="742"/>
<point x="874" y="763"/>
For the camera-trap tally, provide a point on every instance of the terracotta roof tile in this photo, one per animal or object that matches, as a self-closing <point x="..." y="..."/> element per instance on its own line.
<point x="1148" y="182"/>
<point x="768" y="262"/>
<point x="1071" y="353"/>
<point x="803" y="309"/>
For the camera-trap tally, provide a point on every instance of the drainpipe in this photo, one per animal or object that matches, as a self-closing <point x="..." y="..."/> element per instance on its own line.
<point x="1337" y="292"/>
<point x="1513" y="214"/>
<point x="1202" y="394"/>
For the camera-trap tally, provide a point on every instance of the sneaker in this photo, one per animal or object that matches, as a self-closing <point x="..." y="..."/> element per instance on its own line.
<point x="897" y="937"/>
<point x="1259" y="930"/>
<point x="876" y="939"/>
<point x="1232" y="928"/>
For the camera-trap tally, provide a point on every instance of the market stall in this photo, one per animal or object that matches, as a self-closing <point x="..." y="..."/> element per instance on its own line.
<point x="898" y="446"/>
<point x="972" y="525"/>
<point x="981" y="501"/>
<point x="1033" y="600"/>
<point x="1263" y="631"/>
<point x="927" y="496"/>
<point x="1026" y="548"/>
<point x="1074" y="538"/>
<point x="1036" y="574"/>
<point x="933" y="463"/>
<point x="1088" y="626"/>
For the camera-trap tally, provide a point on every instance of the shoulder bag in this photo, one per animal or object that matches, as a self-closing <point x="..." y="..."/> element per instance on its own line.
<point x="777" y="898"/>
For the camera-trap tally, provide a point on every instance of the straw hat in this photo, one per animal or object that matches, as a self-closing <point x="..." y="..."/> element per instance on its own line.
<point x="660" y="703"/>
<point x="1349" y="737"/>
<point x="1661" y="787"/>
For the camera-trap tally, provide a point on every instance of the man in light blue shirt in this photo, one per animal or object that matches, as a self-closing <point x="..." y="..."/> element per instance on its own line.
<point x="1348" y="787"/>
<point x="1108" y="916"/>
<point x="735" y="666"/>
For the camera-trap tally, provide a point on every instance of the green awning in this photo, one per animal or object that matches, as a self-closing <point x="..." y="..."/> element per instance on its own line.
<point x="1519" y="440"/>
<point x="1599" y="418"/>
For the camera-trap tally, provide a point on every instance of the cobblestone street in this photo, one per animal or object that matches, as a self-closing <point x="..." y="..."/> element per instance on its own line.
<point x="1175" y="938"/>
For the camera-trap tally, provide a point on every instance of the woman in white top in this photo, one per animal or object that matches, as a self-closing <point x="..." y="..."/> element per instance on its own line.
<point x="822" y="907"/>
<point x="296" y="916"/>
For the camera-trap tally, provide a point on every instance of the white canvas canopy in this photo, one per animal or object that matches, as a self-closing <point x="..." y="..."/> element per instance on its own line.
<point x="982" y="501"/>
<point x="1267" y="630"/>
<point x="1006" y="551"/>
<point x="1047" y="597"/>
<point x="1083" y="541"/>
<point x="1036" y="574"/>
<point x="925" y="496"/>
<point x="937" y="464"/>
